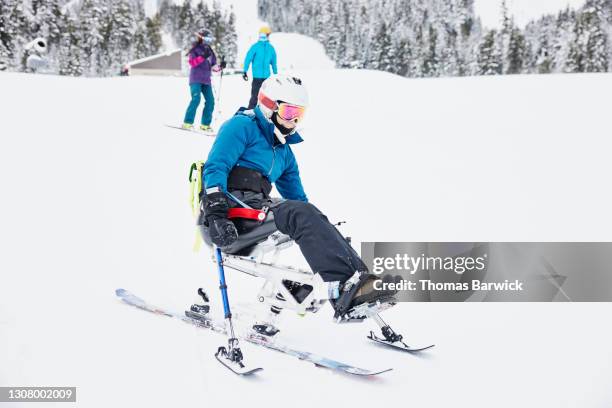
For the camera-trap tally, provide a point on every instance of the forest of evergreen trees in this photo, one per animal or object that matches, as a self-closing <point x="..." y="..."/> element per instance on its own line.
<point x="98" y="37"/>
<point x="415" y="38"/>
<point x="432" y="38"/>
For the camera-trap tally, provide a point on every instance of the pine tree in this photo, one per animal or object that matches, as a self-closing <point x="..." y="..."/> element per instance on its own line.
<point x="121" y="31"/>
<point x="229" y="42"/>
<point x="381" y="45"/>
<point x="403" y="55"/>
<point x="515" y="56"/>
<point x="14" y="32"/>
<point x="544" y="56"/>
<point x="489" y="55"/>
<point x="5" y="37"/>
<point x="70" y="53"/>
<point x="218" y="28"/>
<point x="90" y="28"/>
<point x="417" y="63"/>
<point x="596" y="42"/>
<point x="140" y="43"/>
<point x="153" y="34"/>
<point x="186" y="26"/>
<point x="432" y="61"/>
<point x="576" y="58"/>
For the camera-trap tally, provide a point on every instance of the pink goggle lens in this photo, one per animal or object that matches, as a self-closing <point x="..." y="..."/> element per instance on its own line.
<point x="291" y="112"/>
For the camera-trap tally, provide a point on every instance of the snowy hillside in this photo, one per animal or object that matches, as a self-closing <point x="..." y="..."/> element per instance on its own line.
<point x="95" y="198"/>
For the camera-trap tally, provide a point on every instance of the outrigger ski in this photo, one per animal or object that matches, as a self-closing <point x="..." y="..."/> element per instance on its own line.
<point x="399" y="345"/>
<point x="233" y="360"/>
<point x="219" y="327"/>
<point x="238" y="370"/>
<point x="193" y="130"/>
<point x="392" y="339"/>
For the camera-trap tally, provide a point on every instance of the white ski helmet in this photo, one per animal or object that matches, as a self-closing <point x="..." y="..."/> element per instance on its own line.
<point x="281" y="88"/>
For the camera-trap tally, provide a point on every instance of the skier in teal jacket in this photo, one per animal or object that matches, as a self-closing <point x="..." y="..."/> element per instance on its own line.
<point x="261" y="56"/>
<point x="253" y="151"/>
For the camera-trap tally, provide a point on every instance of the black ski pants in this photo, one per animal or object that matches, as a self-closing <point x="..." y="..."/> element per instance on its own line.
<point x="255" y="85"/>
<point x="327" y="252"/>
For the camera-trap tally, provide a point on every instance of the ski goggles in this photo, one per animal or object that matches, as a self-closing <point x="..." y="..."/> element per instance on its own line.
<point x="286" y="111"/>
<point x="208" y="39"/>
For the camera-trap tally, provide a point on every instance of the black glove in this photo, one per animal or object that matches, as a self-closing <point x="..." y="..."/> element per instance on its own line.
<point x="245" y="76"/>
<point x="222" y="231"/>
<point x="223" y="64"/>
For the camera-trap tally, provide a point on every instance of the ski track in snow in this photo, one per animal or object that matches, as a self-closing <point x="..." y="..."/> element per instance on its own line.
<point x="95" y="198"/>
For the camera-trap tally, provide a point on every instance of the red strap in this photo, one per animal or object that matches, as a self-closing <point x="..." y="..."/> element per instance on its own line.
<point x="248" y="213"/>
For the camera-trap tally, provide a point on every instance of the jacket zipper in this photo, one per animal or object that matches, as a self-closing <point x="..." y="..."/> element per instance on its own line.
<point x="273" y="159"/>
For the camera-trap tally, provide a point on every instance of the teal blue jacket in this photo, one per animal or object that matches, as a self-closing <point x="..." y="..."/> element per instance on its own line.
<point x="262" y="55"/>
<point x="248" y="140"/>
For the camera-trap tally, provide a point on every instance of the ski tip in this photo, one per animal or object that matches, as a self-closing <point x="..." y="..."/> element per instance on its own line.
<point x="120" y="292"/>
<point x="368" y="373"/>
<point x="253" y="371"/>
<point x="398" y="345"/>
<point x="422" y="348"/>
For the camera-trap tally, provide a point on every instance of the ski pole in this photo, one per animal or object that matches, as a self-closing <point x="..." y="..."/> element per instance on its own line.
<point x="223" y="287"/>
<point x="232" y="353"/>
<point x="218" y="101"/>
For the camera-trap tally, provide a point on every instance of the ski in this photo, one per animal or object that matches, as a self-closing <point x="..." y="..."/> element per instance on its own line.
<point x="398" y="345"/>
<point x="319" y="361"/>
<point x="193" y="130"/>
<point x="219" y="327"/>
<point x="236" y="368"/>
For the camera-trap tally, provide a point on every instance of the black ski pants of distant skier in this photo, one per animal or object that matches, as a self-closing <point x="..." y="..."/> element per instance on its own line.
<point x="327" y="252"/>
<point x="255" y="85"/>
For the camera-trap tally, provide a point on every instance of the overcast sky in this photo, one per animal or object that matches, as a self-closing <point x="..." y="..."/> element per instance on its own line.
<point x="523" y="10"/>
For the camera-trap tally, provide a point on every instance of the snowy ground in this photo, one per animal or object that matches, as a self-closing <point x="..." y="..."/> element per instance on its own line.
<point x="95" y="198"/>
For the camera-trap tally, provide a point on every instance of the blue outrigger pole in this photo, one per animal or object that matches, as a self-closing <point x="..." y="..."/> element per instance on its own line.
<point x="232" y="356"/>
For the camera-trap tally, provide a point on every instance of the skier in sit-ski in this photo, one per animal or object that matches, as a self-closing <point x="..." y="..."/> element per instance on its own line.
<point x="252" y="151"/>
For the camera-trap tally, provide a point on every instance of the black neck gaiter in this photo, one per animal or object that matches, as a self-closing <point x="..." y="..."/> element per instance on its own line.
<point x="285" y="131"/>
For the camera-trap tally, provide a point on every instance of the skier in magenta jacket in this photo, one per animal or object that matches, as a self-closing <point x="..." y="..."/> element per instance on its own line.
<point x="203" y="62"/>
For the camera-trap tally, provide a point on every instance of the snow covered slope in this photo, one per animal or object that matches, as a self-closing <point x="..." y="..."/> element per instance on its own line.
<point x="95" y="198"/>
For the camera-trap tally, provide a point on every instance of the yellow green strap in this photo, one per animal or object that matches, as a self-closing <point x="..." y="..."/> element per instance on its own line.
<point x="195" y="187"/>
